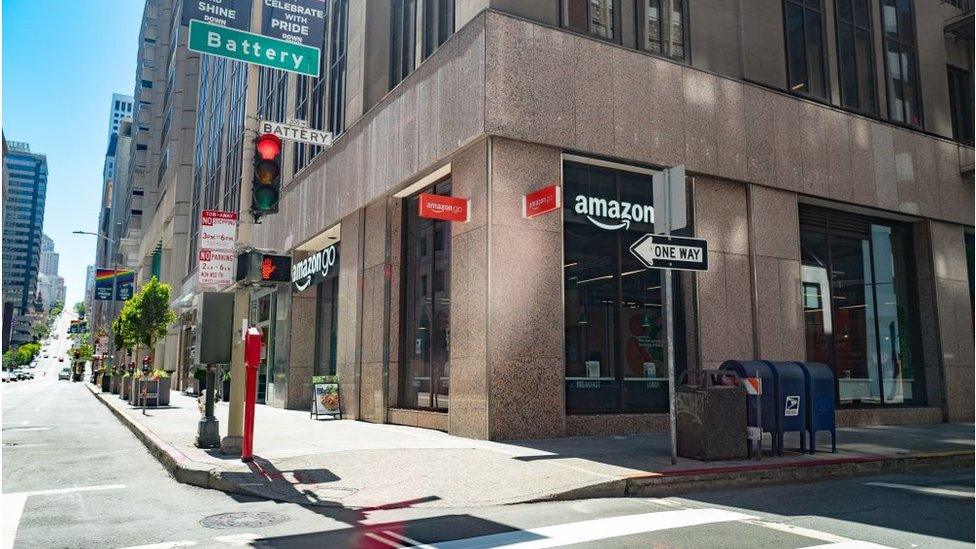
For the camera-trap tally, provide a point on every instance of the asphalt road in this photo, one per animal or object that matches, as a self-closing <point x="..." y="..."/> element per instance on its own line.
<point x="73" y="476"/>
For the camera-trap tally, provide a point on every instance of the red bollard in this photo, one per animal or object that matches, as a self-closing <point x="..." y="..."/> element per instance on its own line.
<point x="252" y="361"/>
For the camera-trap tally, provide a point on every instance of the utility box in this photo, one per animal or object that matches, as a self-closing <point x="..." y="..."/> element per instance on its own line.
<point x="711" y="418"/>
<point x="215" y="331"/>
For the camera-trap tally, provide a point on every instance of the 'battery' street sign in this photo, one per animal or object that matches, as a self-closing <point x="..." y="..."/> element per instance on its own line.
<point x="296" y="133"/>
<point x="671" y="252"/>
<point x="253" y="48"/>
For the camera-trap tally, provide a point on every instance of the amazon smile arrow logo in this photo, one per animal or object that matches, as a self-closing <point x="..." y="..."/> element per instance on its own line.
<point x="620" y="213"/>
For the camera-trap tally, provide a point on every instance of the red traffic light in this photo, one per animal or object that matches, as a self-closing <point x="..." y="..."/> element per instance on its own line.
<point x="268" y="146"/>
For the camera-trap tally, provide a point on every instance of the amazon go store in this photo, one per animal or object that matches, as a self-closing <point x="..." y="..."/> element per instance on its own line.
<point x="496" y="295"/>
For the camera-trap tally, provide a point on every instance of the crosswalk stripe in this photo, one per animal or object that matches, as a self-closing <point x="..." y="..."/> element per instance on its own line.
<point x="850" y="544"/>
<point x="593" y="530"/>
<point x="924" y="489"/>
<point x="13" y="508"/>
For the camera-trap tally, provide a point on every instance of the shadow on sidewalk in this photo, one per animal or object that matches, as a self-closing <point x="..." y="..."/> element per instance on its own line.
<point x="291" y="486"/>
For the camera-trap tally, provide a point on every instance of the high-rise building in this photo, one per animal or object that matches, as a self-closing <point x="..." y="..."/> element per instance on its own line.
<point x="49" y="257"/>
<point x="23" y="220"/>
<point x="830" y="172"/>
<point x="121" y="108"/>
<point x="106" y="245"/>
<point x="89" y="287"/>
<point x="155" y="218"/>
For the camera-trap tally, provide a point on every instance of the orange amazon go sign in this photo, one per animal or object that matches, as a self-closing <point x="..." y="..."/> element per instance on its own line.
<point x="445" y="208"/>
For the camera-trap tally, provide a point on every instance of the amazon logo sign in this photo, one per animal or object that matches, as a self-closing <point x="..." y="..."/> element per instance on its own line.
<point x="315" y="268"/>
<point x="610" y="214"/>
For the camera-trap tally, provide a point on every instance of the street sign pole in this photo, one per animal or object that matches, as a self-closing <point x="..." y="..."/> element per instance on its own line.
<point x="669" y="326"/>
<point x="231" y="444"/>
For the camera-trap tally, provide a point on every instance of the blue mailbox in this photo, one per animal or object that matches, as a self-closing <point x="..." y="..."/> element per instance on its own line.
<point x="791" y="394"/>
<point x="760" y="369"/>
<point x="820" y="405"/>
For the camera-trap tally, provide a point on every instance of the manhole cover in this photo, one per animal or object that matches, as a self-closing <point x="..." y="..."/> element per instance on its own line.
<point x="243" y="520"/>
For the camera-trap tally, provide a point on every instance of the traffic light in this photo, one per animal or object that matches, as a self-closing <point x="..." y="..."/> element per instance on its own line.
<point x="266" y="182"/>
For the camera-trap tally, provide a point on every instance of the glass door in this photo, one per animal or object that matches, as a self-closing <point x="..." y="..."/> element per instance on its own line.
<point x="425" y="382"/>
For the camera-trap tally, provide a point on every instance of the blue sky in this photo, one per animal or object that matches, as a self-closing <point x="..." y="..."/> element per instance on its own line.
<point x="62" y="60"/>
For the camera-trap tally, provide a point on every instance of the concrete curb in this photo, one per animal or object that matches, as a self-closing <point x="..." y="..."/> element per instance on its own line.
<point x="187" y="471"/>
<point x="669" y="484"/>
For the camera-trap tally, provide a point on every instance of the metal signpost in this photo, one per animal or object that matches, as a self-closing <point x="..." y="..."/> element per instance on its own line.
<point x="669" y="253"/>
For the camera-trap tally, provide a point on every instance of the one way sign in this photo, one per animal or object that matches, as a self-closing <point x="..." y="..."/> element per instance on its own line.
<point x="671" y="252"/>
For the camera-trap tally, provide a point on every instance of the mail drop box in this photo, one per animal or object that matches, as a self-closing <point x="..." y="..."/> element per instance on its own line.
<point x="820" y="403"/>
<point x="791" y="394"/>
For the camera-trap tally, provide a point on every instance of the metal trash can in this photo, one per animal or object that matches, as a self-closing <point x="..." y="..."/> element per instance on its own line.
<point x="820" y="406"/>
<point x="710" y="416"/>
<point x="791" y="394"/>
<point x="760" y="369"/>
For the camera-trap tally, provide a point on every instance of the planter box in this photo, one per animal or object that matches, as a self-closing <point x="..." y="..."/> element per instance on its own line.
<point x="106" y="382"/>
<point x="114" y="384"/>
<point x="165" y="386"/>
<point x="125" y="390"/>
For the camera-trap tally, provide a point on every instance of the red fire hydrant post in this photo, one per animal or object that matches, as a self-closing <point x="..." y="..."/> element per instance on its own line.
<point x="252" y="361"/>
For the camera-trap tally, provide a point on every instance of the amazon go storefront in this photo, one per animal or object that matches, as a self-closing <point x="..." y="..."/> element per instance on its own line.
<point x="497" y="297"/>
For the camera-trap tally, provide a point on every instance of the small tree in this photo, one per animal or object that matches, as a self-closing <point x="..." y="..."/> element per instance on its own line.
<point x="80" y="309"/>
<point x="152" y="313"/>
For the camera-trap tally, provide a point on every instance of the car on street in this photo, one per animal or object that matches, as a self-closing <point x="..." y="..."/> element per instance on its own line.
<point x="7" y="376"/>
<point x="22" y="374"/>
<point x="60" y="359"/>
<point x="65" y="374"/>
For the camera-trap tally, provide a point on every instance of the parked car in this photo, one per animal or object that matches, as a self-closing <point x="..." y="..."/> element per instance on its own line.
<point x="7" y="377"/>
<point x="65" y="374"/>
<point x="60" y="359"/>
<point x="20" y="373"/>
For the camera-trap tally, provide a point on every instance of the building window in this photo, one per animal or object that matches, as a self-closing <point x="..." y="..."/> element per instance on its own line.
<point x="337" y="66"/>
<point x="614" y="320"/>
<point x="663" y="27"/>
<point x="438" y="24"/>
<point x="901" y="62"/>
<point x="595" y="17"/>
<point x="146" y="83"/>
<point x="855" y="55"/>
<point x="860" y="315"/>
<point x="402" y="39"/>
<point x="805" y="47"/>
<point x="961" y="104"/>
<point x="426" y="359"/>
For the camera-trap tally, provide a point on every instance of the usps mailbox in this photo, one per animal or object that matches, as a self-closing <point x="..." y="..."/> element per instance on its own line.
<point x="791" y="396"/>
<point x="820" y="403"/>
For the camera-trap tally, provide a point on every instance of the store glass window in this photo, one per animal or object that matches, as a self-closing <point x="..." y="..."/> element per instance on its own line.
<point x="859" y="308"/>
<point x="425" y="366"/>
<point x="594" y="17"/>
<point x="327" y="320"/>
<point x="613" y="317"/>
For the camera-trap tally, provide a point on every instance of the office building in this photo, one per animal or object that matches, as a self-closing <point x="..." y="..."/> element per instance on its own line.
<point x="23" y="221"/>
<point x="829" y="163"/>
<point x="49" y="257"/>
<point x="155" y="221"/>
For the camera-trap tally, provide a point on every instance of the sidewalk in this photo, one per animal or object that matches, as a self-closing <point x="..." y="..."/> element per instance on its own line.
<point x="356" y="464"/>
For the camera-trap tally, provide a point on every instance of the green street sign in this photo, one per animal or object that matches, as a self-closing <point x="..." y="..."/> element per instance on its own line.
<point x="253" y="48"/>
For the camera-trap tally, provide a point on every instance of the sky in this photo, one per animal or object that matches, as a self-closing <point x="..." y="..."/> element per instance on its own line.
<point x="62" y="60"/>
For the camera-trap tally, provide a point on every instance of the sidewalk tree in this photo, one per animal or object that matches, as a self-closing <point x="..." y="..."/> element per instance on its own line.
<point x="153" y="315"/>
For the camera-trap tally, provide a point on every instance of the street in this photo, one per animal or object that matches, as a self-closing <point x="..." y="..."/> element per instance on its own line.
<point x="73" y="476"/>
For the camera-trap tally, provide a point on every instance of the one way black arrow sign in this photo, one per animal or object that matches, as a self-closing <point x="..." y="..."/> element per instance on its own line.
<point x="671" y="252"/>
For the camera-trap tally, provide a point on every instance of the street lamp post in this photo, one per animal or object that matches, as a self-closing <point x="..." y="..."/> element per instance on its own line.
<point x="115" y="275"/>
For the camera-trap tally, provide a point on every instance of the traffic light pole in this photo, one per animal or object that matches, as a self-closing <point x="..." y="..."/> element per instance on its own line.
<point x="231" y="444"/>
